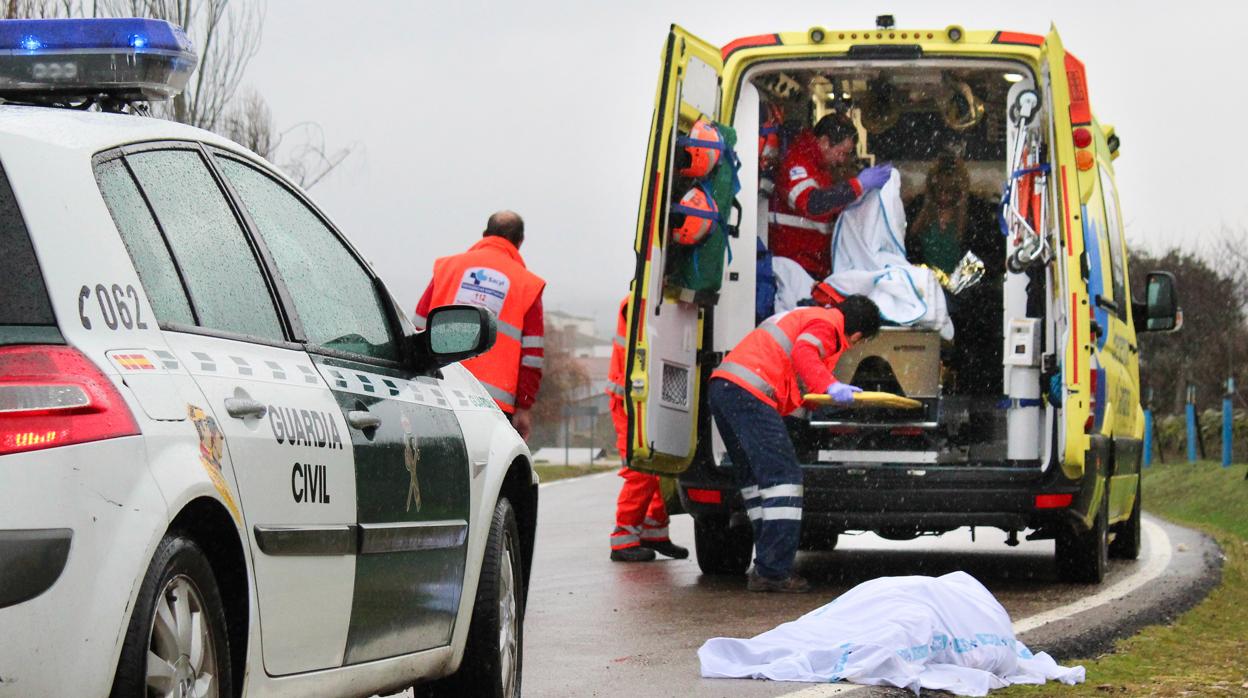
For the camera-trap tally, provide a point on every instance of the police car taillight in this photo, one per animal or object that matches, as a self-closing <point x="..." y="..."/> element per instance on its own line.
<point x="54" y="60"/>
<point x="54" y="396"/>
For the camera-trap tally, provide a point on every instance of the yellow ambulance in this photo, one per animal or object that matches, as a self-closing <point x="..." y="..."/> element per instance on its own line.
<point x="1030" y="419"/>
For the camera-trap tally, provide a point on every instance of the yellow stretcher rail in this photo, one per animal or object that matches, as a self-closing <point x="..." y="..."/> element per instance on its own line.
<point x="869" y="398"/>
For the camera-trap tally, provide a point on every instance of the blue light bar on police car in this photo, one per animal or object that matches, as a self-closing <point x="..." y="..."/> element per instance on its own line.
<point x="127" y="59"/>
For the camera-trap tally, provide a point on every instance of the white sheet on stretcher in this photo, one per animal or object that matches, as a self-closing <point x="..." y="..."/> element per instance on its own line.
<point x="869" y="258"/>
<point x="941" y="633"/>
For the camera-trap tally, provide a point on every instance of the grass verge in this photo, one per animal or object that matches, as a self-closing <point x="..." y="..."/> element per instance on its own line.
<point x="550" y="473"/>
<point x="1204" y="652"/>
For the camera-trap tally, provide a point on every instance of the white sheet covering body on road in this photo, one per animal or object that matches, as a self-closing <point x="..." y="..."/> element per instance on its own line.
<point x="941" y="633"/>
<point x="869" y="258"/>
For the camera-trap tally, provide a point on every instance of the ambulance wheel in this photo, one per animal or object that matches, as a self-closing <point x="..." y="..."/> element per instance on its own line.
<point x="176" y="643"/>
<point x="722" y="549"/>
<point x="492" y="657"/>
<point x="1127" y="535"/>
<point x="1083" y="556"/>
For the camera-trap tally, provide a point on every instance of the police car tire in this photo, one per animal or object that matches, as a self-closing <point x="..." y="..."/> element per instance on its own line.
<point x="481" y="671"/>
<point x="720" y="547"/>
<point x="1083" y="556"/>
<point x="1128" y="534"/>
<point x="175" y="556"/>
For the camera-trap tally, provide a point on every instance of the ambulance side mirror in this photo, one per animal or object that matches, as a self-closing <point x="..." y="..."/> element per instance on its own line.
<point x="1160" y="311"/>
<point x="453" y="333"/>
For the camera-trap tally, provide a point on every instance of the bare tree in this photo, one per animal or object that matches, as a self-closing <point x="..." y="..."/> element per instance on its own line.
<point x="225" y="34"/>
<point x="41" y="9"/>
<point x="250" y="123"/>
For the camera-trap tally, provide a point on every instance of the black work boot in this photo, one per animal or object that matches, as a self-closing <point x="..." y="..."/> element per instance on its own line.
<point x="792" y="584"/>
<point x="634" y="553"/>
<point x="666" y="547"/>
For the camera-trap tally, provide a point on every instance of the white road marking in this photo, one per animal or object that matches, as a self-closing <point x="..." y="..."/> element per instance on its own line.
<point x="577" y="478"/>
<point x="1156" y="562"/>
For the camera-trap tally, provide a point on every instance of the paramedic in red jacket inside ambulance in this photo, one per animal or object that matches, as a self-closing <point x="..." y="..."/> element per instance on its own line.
<point x="811" y="188"/>
<point x="640" y="513"/>
<point x="491" y="274"/>
<point x="762" y="380"/>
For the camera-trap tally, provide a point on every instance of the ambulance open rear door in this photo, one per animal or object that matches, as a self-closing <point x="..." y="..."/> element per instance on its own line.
<point x="1068" y="103"/>
<point x="664" y="333"/>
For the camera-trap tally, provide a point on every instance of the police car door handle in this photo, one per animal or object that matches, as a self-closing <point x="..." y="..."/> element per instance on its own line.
<point x="242" y="407"/>
<point x="363" y="419"/>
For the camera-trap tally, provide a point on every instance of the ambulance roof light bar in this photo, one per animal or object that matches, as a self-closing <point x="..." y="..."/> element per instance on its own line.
<point x="109" y="61"/>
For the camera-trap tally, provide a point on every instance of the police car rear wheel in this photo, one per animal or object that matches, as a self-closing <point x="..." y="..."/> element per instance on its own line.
<point x="176" y="643"/>
<point x="493" y="656"/>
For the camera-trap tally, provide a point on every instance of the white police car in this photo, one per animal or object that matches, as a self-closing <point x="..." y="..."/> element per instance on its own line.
<point x="228" y="464"/>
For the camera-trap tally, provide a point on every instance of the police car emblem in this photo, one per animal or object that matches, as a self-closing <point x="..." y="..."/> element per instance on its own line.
<point x="411" y="458"/>
<point x="211" y="448"/>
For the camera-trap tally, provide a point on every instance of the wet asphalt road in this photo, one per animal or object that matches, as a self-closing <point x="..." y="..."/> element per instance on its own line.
<point x="598" y="628"/>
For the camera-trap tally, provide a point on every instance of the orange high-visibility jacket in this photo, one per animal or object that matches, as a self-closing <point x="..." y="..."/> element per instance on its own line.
<point x="491" y="274"/>
<point x="615" y="379"/>
<point x="788" y="355"/>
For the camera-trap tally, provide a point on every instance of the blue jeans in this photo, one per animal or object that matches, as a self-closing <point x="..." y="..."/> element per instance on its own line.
<point x="770" y="477"/>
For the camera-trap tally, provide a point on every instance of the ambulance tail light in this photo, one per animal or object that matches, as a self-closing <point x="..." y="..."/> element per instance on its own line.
<point x="1077" y="82"/>
<point x="1054" y="501"/>
<point x="54" y="396"/>
<point x="705" y="496"/>
<point x="1094" y="380"/>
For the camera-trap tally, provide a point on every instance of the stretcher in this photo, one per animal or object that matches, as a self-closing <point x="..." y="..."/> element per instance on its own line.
<point x="868" y="398"/>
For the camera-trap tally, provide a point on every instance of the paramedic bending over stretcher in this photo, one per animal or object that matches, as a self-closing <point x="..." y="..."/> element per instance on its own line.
<point x="762" y="380"/>
<point x="812" y="186"/>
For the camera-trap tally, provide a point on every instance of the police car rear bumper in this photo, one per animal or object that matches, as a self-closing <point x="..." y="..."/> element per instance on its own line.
<point x="31" y="561"/>
<point x="80" y="522"/>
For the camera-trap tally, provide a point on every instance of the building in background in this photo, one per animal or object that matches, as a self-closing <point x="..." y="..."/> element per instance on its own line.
<point x="583" y="417"/>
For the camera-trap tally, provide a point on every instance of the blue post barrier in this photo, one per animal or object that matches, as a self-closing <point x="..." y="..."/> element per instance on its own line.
<point x="1191" y="424"/>
<point x="1148" y="438"/>
<point x="1228" y="424"/>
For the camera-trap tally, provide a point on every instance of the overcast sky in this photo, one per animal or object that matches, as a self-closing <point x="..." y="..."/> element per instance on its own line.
<point x="457" y="108"/>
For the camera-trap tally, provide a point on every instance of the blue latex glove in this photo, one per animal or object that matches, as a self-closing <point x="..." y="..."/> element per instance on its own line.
<point x="842" y="393"/>
<point x="875" y="177"/>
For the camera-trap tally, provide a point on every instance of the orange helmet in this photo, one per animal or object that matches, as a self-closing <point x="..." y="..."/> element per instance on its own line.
<point x="769" y="135"/>
<point x="700" y="149"/>
<point x="693" y="217"/>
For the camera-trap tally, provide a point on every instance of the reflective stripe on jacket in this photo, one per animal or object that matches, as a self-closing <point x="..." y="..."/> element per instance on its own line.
<point x="492" y="274"/>
<point x="788" y="355"/>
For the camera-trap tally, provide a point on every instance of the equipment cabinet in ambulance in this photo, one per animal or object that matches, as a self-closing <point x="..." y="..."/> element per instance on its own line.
<point x="1030" y="419"/>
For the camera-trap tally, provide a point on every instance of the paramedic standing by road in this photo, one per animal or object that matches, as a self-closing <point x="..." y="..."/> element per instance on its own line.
<point x="759" y="382"/>
<point x="811" y="188"/>
<point x="491" y="274"/>
<point x="640" y="513"/>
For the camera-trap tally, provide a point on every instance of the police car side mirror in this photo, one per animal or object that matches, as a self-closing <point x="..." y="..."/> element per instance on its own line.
<point x="1161" y="311"/>
<point x="454" y="333"/>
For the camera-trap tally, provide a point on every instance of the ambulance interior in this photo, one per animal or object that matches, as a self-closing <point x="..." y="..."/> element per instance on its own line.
<point x="947" y="127"/>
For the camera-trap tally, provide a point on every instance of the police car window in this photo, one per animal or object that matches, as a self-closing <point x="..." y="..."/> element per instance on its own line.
<point x="221" y="271"/>
<point x="144" y="243"/>
<point x="1113" y="221"/>
<point x="21" y="283"/>
<point x="337" y="302"/>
